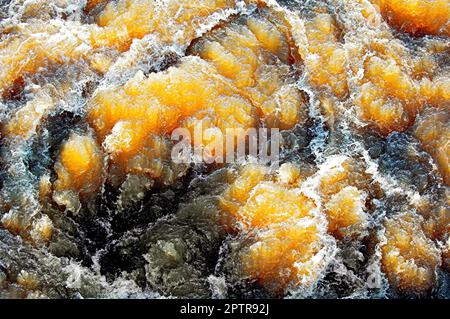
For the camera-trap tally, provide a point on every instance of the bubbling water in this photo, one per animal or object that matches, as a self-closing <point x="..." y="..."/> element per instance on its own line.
<point x="93" y="205"/>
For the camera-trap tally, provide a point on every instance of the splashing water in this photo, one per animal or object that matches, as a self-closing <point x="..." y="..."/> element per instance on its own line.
<point x="92" y="206"/>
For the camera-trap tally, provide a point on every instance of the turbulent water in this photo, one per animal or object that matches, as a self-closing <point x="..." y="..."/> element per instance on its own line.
<point x="93" y="206"/>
